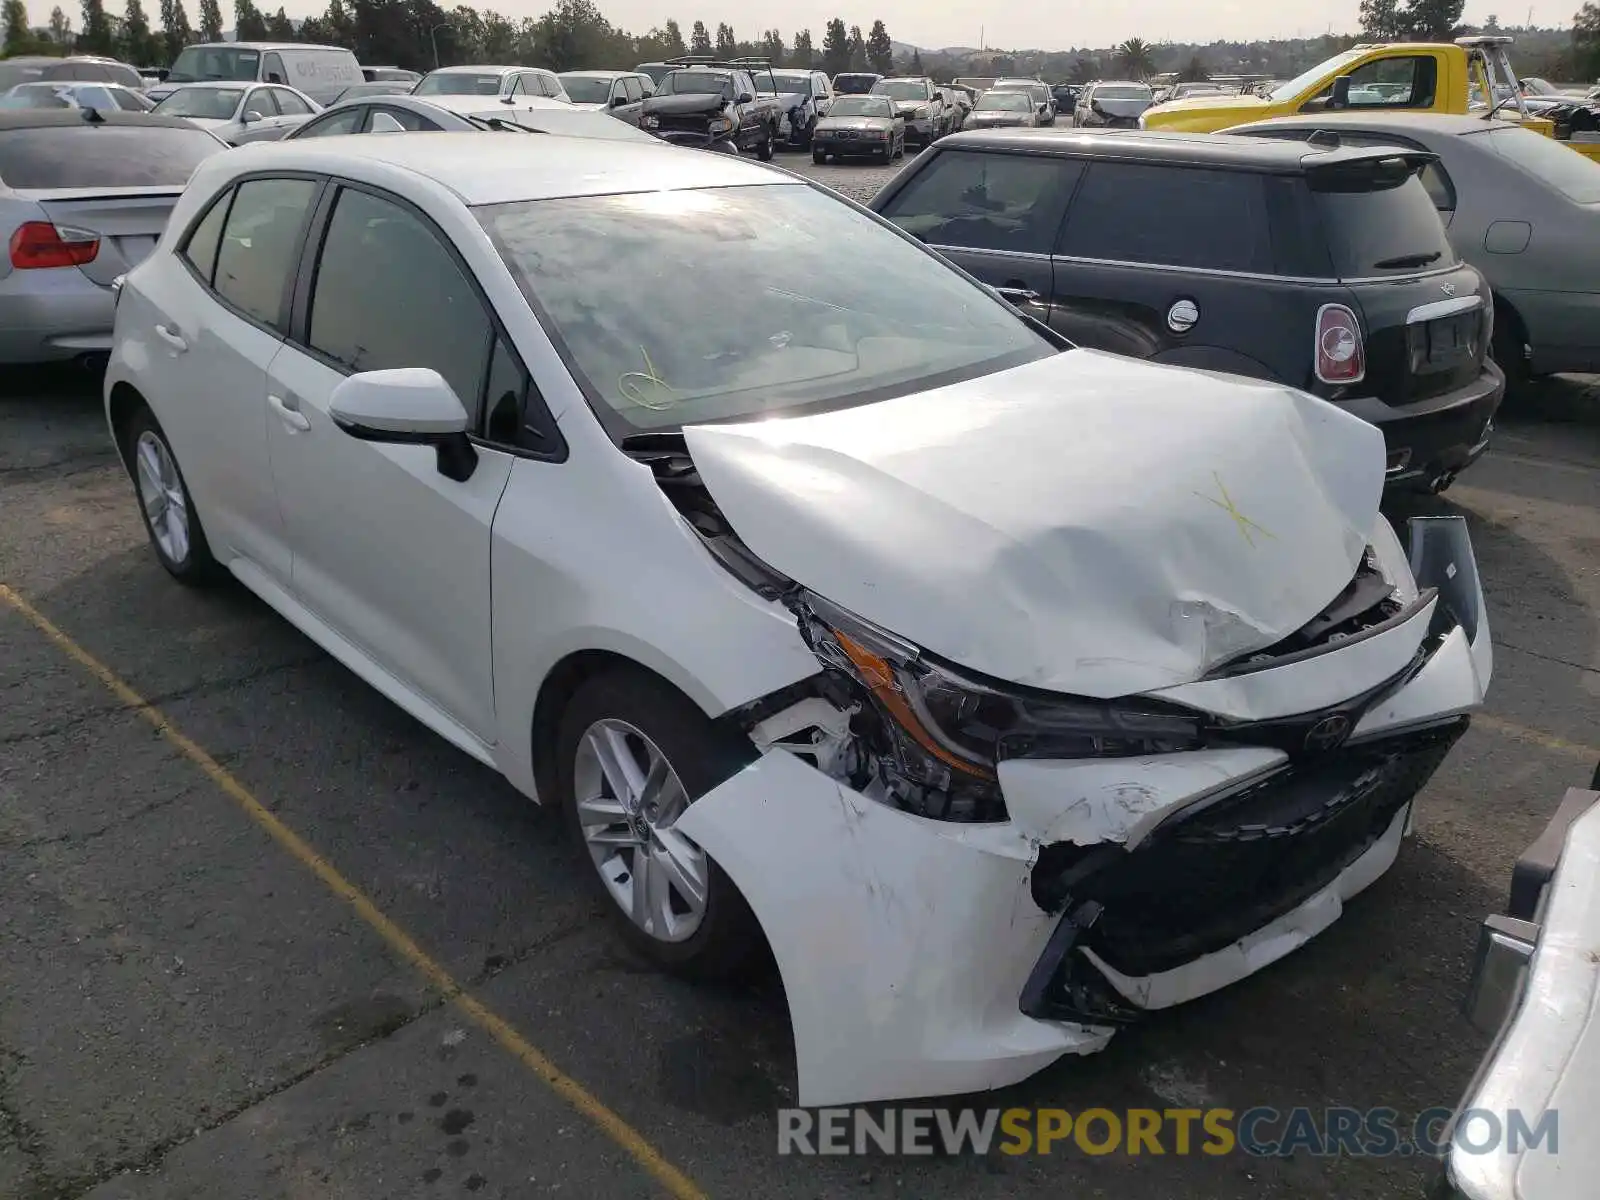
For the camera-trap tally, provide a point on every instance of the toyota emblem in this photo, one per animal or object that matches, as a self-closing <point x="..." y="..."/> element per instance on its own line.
<point x="1328" y="733"/>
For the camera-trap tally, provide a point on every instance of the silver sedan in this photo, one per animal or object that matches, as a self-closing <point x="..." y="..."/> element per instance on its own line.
<point x="240" y="112"/>
<point x="1521" y="207"/>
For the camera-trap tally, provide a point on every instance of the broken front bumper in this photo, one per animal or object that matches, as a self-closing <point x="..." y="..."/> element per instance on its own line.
<point x="924" y="957"/>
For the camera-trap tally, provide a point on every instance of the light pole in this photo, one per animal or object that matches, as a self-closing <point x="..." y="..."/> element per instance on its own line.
<point x="433" y="36"/>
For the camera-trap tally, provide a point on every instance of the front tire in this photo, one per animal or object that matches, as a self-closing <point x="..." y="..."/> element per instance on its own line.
<point x="769" y="142"/>
<point x="168" y="512"/>
<point x="632" y="754"/>
<point x="818" y="157"/>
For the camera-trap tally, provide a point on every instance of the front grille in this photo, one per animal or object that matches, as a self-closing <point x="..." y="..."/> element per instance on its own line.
<point x="689" y="124"/>
<point x="1204" y="880"/>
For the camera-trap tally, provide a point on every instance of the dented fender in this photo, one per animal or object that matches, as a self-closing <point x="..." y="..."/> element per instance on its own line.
<point x="903" y="942"/>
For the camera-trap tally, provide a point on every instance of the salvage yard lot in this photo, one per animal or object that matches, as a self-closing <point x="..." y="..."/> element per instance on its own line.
<point x="188" y="1008"/>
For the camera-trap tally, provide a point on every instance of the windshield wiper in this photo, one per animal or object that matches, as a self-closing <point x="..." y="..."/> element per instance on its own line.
<point x="1406" y="260"/>
<point x="499" y="125"/>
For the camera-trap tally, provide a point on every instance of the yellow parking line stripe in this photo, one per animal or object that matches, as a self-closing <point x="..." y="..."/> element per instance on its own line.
<point x="1549" y="741"/>
<point x="574" y="1093"/>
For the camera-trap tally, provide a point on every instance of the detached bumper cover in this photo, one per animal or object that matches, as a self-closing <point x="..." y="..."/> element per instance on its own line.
<point x="925" y="957"/>
<point x="1546" y="1058"/>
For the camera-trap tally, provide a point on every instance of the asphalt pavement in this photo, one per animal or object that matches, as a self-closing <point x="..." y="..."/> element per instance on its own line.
<point x="262" y="935"/>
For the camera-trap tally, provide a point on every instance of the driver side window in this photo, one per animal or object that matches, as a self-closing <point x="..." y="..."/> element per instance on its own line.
<point x="1400" y="82"/>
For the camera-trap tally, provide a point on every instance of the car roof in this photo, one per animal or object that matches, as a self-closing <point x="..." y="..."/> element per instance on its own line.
<point x="1398" y="122"/>
<point x="1119" y="83"/>
<point x="484" y="69"/>
<point x="1185" y="149"/>
<point x="264" y="46"/>
<point x="485" y="168"/>
<point x="899" y="78"/>
<point x="45" y="118"/>
<point x="593" y="74"/>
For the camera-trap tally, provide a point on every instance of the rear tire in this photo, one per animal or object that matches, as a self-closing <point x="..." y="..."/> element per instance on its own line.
<point x="1507" y="350"/>
<point x="627" y="832"/>
<point x="818" y="157"/>
<point x="768" y="144"/>
<point x="165" y="505"/>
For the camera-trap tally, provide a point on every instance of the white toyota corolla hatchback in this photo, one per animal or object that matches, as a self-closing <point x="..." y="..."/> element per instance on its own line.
<point x="1007" y="690"/>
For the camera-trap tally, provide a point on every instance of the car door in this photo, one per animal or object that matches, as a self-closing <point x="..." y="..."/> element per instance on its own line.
<point x="388" y="552"/>
<point x="991" y="213"/>
<point x="217" y="323"/>
<point x="272" y="68"/>
<point x="821" y="92"/>
<point x="631" y="95"/>
<point x="1201" y="290"/>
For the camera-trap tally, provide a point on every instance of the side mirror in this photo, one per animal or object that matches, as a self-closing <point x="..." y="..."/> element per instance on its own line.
<point x="744" y="98"/>
<point x="618" y="101"/>
<point x="250" y="116"/>
<point x="407" y="406"/>
<point x="1341" y="92"/>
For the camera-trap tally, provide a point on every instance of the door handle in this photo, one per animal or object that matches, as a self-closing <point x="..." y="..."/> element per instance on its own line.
<point x="172" y="338"/>
<point x="288" y="414"/>
<point x="1018" y="294"/>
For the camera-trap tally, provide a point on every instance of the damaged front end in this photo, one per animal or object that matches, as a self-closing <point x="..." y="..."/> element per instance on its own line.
<point x="963" y="878"/>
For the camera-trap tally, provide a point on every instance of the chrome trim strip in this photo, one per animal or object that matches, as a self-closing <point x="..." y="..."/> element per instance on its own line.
<point x="1443" y="308"/>
<point x="1021" y="255"/>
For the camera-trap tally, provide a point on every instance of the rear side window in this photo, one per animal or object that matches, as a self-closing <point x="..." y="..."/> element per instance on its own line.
<point x="1170" y="217"/>
<point x="1380" y="221"/>
<point x="388" y="294"/>
<point x="987" y="201"/>
<point x="102" y="156"/>
<point x="201" y="250"/>
<point x="344" y="121"/>
<point x="258" y="247"/>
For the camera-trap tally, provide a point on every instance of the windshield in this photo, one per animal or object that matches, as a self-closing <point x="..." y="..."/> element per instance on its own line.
<point x="901" y="89"/>
<point x="1122" y="91"/>
<point x="13" y="72"/>
<point x="37" y="95"/>
<point x="1323" y="70"/>
<point x="458" y="83"/>
<point x="833" y="308"/>
<point x="695" y="83"/>
<point x="656" y="71"/>
<point x="854" y="85"/>
<point x="1003" y="102"/>
<point x="792" y="81"/>
<point x="1547" y="160"/>
<point x="206" y="103"/>
<point x="199" y="63"/>
<point x="586" y="89"/>
<point x="1534" y="86"/>
<point x="861" y="106"/>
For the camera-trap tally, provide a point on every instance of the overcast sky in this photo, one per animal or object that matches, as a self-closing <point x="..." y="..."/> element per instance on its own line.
<point x="1018" y="24"/>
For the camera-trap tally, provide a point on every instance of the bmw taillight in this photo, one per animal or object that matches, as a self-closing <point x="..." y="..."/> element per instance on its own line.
<point x="37" y="244"/>
<point x="1341" y="353"/>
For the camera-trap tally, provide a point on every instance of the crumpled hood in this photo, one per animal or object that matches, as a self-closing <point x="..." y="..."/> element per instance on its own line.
<point x="685" y="104"/>
<point x="1086" y="523"/>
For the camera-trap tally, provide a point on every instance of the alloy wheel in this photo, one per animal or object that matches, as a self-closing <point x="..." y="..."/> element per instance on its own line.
<point x="166" y="504"/>
<point x="629" y="799"/>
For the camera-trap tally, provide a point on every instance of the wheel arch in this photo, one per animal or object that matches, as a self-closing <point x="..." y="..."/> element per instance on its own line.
<point x="122" y="402"/>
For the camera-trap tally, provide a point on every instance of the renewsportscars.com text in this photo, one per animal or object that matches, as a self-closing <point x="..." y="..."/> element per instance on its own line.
<point x="1262" y="1132"/>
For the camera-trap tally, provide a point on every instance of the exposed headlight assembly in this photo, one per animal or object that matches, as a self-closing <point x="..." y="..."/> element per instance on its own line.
<point x="720" y="125"/>
<point x="934" y="735"/>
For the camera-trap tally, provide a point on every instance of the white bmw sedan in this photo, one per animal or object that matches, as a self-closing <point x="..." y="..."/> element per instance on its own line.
<point x="1007" y="690"/>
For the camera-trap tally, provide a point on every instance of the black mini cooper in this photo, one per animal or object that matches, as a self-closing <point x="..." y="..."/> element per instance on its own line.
<point x="1311" y="264"/>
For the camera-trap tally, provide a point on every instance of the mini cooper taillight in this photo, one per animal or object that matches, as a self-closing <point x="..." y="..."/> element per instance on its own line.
<point x="1341" y="355"/>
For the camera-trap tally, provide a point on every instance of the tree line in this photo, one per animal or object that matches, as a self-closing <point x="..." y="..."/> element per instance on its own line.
<point x="574" y="34"/>
<point x="421" y="34"/>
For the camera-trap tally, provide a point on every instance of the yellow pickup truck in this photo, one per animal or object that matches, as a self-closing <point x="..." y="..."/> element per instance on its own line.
<point x="1462" y="76"/>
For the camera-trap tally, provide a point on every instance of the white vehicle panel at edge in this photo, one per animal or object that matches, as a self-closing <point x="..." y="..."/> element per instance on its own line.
<point x="1109" y="556"/>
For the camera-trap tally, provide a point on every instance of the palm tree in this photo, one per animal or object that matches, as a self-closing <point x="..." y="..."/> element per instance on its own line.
<point x="1136" y="57"/>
